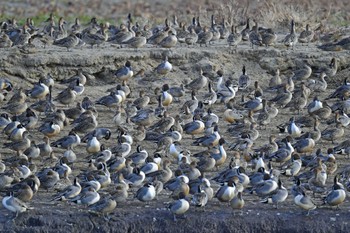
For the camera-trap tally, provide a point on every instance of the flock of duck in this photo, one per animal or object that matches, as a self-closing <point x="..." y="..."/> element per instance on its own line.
<point x="166" y="36"/>
<point x="180" y="126"/>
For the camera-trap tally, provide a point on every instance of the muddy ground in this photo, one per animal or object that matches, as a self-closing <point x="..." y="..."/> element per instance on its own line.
<point x="24" y="68"/>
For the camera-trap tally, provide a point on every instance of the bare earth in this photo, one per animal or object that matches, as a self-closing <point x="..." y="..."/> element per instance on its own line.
<point x="134" y="216"/>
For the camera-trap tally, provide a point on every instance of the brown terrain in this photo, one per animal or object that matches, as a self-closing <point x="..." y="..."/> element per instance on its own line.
<point x="24" y="67"/>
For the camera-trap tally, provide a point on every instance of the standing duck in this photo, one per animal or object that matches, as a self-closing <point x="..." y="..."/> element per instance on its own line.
<point x="291" y="39"/>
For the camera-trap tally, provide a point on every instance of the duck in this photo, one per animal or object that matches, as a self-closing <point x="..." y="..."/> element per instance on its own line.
<point x="67" y="142"/>
<point x="88" y="197"/>
<point x="124" y="73"/>
<point x="39" y="91"/>
<point x="225" y="95"/>
<point x="146" y="193"/>
<point x="278" y="197"/>
<point x="244" y="80"/>
<point x="226" y="192"/>
<point x="283" y="154"/>
<point x="209" y="140"/>
<point x="245" y="31"/>
<point x="302" y="73"/>
<point x="104" y="206"/>
<point x="318" y="85"/>
<point x="170" y="41"/>
<point x="198" y="83"/>
<point x="237" y="203"/>
<point x="111" y="100"/>
<point x="136" y="178"/>
<point x="14" y="204"/>
<point x="167" y="98"/>
<point x="69" y="192"/>
<point x="164" y="67"/>
<point x="180" y="206"/>
<point x="234" y="38"/>
<point x="19" y="146"/>
<point x="199" y="199"/>
<point x="48" y="178"/>
<point x="254" y="36"/>
<point x="283" y="98"/>
<point x="191" y="37"/>
<point x="332" y="134"/>
<point x="294" y="167"/>
<point x="304" y="202"/>
<point x="337" y="196"/>
<point x="306" y="36"/>
<point x="67" y="42"/>
<point x="268" y="37"/>
<point x="194" y="127"/>
<point x="163" y="175"/>
<point x="91" y="38"/>
<point x="205" y="36"/>
<point x="139" y="157"/>
<point x="177" y="92"/>
<point x="291" y="39"/>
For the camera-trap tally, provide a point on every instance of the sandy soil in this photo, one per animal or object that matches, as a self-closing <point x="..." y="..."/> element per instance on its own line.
<point x="24" y="69"/>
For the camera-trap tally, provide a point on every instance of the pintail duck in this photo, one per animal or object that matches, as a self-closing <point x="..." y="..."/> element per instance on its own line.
<point x="122" y="149"/>
<point x="163" y="175"/>
<point x="253" y="105"/>
<point x="278" y="197"/>
<point x="245" y="32"/>
<point x="244" y="80"/>
<point x="283" y="154"/>
<point x="170" y="41"/>
<point x="318" y="85"/>
<point x="291" y="39"/>
<point x="304" y="202"/>
<point x="331" y="69"/>
<point x="70" y="192"/>
<point x="78" y="76"/>
<point x="139" y="157"/>
<point x="14" y="204"/>
<point x="19" y="146"/>
<point x="214" y="30"/>
<point x="275" y="80"/>
<point x="307" y="35"/>
<point x="111" y="100"/>
<point x="180" y="206"/>
<point x="225" y="95"/>
<point x="88" y="197"/>
<point x="142" y="101"/>
<point x="68" y="42"/>
<point x="234" y="38"/>
<point x="68" y="142"/>
<point x="23" y="190"/>
<point x="39" y="91"/>
<point x="332" y="134"/>
<point x="164" y="67"/>
<point x="226" y="192"/>
<point x="337" y="195"/>
<point x="146" y="194"/>
<point x="254" y="36"/>
<point x="266" y="188"/>
<point x="205" y="36"/>
<point x="191" y="37"/>
<point x="48" y="178"/>
<point x="17" y="133"/>
<point x="264" y="116"/>
<point x="33" y="151"/>
<point x="237" y="203"/>
<point x="194" y="127"/>
<point x="99" y="133"/>
<point x="125" y="72"/>
<point x="199" y="199"/>
<point x="303" y="73"/>
<point x="198" y="83"/>
<point x="123" y="35"/>
<point x="95" y="38"/>
<point x="136" y="178"/>
<point x="268" y="37"/>
<point x="67" y="96"/>
<point x="23" y="37"/>
<point x="50" y="129"/>
<point x="294" y="167"/>
<point x="103" y="206"/>
<point x="5" y="41"/>
<point x="152" y="164"/>
<point x="283" y="98"/>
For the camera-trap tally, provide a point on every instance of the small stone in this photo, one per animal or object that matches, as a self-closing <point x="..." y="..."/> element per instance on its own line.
<point x="333" y="219"/>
